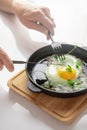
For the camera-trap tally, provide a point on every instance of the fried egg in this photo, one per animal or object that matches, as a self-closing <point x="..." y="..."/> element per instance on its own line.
<point x="62" y="71"/>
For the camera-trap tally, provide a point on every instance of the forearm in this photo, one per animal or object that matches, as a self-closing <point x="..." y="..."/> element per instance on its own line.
<point x="10" y="5"/>
<point x="7" y="6"/>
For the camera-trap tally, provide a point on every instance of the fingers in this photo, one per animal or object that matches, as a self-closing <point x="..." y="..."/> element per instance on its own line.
<point x="43" y="16"/>
<point x="44" y="20"/>
<point x="47" y="13"/>
<point x="5" y="60"/>
<point x="30" y="16"/>
<point x="37" y="27"/>
<point x="1" y="65"/>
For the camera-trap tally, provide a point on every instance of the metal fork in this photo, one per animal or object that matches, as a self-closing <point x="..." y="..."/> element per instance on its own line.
<point x="57" y="48"/>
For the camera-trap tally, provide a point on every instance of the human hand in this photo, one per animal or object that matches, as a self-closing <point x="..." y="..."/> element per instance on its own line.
<point x="5" y="61"/>
<point x="37" y="18"/>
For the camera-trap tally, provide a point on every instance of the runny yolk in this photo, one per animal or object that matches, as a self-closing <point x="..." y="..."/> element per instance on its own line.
<point x="65" y="74"/>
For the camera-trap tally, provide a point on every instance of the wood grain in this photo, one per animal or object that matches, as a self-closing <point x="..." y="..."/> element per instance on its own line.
<point x="66" y="110"/>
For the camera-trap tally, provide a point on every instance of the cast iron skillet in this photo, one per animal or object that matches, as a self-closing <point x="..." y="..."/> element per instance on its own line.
<point x="44" y="52"/>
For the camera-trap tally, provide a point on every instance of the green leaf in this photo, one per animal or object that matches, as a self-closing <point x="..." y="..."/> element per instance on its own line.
<point x="69" y="68"/>
<point x="75" y="47"/>
<point x="48" y="84"/>
<point x="79" y="63"/>
<point x="71" y="83"/>
<point x="79" y="82"/>
<point x="56" y="57"/>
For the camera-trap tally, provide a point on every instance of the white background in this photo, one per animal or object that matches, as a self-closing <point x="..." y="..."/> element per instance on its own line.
<point x="17" y="113"/>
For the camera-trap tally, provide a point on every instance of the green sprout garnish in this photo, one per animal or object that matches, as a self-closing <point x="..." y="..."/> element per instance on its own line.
<point x="71" y="83"/>
<point x="75" y="47"/>
<point x="69" y="68"/>
<point x="48" y="84"/>
<point x="56" y="57"/>
<point x="79" y="82"/>
<point x="79" y="63"/>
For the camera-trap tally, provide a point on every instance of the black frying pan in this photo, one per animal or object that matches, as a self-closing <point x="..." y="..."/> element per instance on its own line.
<point x="44" y="52"/>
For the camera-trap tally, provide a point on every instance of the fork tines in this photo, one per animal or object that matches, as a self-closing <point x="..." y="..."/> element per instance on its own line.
<point x="57" y="48"/>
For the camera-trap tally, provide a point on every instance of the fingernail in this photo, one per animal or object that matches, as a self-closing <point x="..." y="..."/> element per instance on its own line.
<point x="11" y="69"/>
<point x="1" y="67"/>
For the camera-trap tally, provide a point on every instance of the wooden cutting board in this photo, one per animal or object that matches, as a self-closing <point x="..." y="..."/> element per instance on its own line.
<point x="65" y="110"/>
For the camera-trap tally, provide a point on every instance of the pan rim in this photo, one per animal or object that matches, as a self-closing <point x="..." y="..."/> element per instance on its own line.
<point x="52" y="92"/>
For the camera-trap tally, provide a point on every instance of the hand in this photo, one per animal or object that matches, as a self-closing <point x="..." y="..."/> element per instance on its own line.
<point x="5" y="60"/>
<point x="35" y="18"/>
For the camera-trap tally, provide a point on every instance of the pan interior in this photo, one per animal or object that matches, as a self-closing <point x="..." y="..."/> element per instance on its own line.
<point x="37" y="71"/>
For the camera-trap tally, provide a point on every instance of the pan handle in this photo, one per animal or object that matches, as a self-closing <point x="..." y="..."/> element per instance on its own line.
<point x="33" y="88"/>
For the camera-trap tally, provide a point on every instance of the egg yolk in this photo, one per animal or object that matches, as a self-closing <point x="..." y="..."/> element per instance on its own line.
<point x="65" y="74"/>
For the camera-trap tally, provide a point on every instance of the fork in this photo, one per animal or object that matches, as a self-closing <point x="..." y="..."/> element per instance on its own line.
<point x="57" y="48"/>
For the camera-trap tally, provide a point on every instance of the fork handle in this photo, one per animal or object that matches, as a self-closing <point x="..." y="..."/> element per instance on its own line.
<point x="51" y="37"/>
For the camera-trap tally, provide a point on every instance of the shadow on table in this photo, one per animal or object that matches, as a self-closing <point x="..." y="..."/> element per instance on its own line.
<point x="21" y="34"/>
<point x="39" y="114"/>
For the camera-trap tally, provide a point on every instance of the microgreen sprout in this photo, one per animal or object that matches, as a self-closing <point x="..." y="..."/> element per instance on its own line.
<point x="71" y="83"/>
<point x="79" y="63"/>
<point x="69" y="68"/>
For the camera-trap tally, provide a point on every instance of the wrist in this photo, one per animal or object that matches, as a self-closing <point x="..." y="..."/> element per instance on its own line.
<point x="6" y="5"/>
<point x="19" y="5"/>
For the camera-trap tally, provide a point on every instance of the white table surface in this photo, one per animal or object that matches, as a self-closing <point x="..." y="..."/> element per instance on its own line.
<point x="17" y="113"/>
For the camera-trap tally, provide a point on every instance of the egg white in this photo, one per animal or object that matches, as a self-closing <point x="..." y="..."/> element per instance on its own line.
<point x="52" y="70"/>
